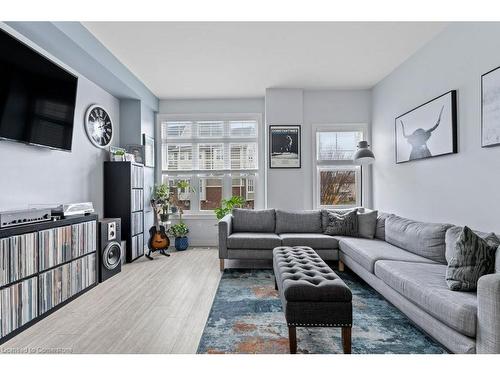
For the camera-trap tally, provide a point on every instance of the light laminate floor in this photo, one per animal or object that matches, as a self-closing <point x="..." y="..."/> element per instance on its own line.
<point x="158" y="306"/>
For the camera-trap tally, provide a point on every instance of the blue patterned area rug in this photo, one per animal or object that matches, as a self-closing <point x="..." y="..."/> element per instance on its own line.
<point x="246" y="317"/>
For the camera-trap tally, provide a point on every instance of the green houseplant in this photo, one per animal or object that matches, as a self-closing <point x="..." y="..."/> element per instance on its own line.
<point x="228" y="205"/>
<point x="180" y="231"/>
<point x="160" y="198"/>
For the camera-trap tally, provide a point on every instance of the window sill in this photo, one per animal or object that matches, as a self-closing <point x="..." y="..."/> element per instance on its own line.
<point x="197" y="216"/>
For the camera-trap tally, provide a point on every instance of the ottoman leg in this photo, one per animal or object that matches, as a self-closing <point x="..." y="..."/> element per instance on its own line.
<point x="346" y="339"/>
<point x="221" y="265"/>
<point x="292" y="338"/>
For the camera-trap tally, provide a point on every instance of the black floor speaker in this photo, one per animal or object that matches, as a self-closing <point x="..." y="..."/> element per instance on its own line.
<point x="110" y="251"/>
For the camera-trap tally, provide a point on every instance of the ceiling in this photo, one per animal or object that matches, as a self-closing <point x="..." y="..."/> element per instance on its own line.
<point x="242" y="59"/>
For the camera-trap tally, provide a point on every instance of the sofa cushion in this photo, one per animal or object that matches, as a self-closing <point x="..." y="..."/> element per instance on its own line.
<point x="367" y="252"/>
<point x="342" y="223"/>
<point x="298" y="221"/>
<point x="424" y="239"/>
<point x="250" y="240"/>
<point x="380" y="230"/>
<point x="314" y="240"/>
<point x="454" y="232"/>
<point x="424" y="285"/>
<point x="474" y="257"/>
<point x="262" y="221"/>
<point x="324" y="214"/>
<point x="367" y="223"/>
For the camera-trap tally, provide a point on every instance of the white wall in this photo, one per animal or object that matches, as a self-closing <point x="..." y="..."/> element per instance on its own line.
<point x="460" y="188"/>
<point x="33" y="175"/>
<point x="293" y="188"/>
<point x="203" y="229"/>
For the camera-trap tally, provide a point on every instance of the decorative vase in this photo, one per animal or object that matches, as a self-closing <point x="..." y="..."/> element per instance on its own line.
<point x="181" y="243"/>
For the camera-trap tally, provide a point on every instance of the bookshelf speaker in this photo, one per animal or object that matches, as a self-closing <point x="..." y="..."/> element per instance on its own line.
<point x="110" y="250"/>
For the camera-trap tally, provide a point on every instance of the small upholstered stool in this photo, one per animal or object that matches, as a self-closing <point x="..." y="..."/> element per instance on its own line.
<point x="311" y="293"/>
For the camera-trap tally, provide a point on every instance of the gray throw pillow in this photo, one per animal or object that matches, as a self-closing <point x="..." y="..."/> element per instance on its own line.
<point x="342" y="223"/>
<point x="380" y="230"/>
<point x="367" y="224"/>
<point x="474" y="257"/>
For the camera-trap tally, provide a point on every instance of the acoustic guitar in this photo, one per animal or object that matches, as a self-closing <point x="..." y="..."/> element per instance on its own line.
<point x="158" y="239"/>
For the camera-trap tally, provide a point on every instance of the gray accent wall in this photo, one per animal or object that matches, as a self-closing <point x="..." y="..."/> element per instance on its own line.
<point x="460" y="188"/>
<point x="32" y="175"/>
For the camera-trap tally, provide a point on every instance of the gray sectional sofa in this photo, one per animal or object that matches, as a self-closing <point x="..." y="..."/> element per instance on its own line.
<point x="406" y="262"/>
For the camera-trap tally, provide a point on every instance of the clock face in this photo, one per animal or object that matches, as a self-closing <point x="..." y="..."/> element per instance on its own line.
<point x="99" y="126"/>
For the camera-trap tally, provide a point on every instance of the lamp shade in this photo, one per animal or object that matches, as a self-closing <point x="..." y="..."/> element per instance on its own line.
<point x="363" y="155"/>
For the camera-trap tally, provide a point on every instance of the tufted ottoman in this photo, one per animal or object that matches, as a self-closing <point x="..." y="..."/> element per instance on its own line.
<point x="311" y="293"/>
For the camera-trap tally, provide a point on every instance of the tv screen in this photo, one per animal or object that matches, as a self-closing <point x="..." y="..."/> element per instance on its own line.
<point x="37" y="97"/>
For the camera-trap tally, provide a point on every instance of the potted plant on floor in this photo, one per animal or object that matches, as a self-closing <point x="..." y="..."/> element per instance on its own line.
<point x="180" y="231"/>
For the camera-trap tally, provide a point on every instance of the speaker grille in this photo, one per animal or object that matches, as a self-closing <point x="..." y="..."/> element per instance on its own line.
<point x="111" y="256"/>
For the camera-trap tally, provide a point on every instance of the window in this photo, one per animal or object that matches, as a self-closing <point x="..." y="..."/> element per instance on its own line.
<point x="243" y="186"/>
<point x="216" y="154"/>
<point x="337" y="145"/>
<point x="338" y="181"/>
<point x="211" y="156"/>
<point x="338" y="186"/>
<point x="179" y="157"/>
<point x="210" y="193"/>
<point x="183" y="196"/>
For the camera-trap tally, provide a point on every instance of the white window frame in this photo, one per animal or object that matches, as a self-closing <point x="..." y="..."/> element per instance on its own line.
<point x="197" y="173"/>
<point x="319" y="165"/>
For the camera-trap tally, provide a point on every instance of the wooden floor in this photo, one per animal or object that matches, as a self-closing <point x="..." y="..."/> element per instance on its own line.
<point x="158" y="306"/>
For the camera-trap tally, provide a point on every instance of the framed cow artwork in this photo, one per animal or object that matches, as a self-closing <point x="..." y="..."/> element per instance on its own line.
<point x="428" y="130"/>
<point x="284" y="146"/>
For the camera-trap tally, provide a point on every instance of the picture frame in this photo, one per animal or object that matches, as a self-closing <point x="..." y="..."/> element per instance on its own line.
<point x="427" y="131"/>
<point x="149" y="150"/>
<point x="137" y="151"/>
<point x="490" y="108"/>
<point x="285" y="143"/>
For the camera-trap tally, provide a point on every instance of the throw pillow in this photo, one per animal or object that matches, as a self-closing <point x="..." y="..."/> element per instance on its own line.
<point x="367" y="223"/>
<point x="474" y="257"/>
<point x="342" y="223"/>
<point x="380" y="230"/>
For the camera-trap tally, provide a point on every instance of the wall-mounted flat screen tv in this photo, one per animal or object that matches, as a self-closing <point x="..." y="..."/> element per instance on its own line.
<point x="37" y="97"/>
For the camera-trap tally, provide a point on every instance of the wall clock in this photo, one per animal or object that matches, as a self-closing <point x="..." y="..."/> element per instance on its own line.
<point x="99" y="126"/>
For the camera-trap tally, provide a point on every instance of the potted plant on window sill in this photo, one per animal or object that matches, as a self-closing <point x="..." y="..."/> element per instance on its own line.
<point x="180" y="231"/>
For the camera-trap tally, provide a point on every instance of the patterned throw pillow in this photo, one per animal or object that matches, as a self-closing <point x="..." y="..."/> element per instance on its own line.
<point x="342" y="223"/>
<point x="474" y="257"/>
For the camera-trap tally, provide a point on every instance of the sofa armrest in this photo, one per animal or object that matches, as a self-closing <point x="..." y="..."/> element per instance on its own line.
<point x="225" y="230"/>
<point x="488" y="314"/>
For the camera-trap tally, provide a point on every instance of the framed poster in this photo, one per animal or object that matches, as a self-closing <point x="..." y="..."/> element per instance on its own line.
<point x="137" y="151"/>
<point x="149" y="150"/>
<point x="490" y="108"/>
<point x="429" y="130"/>
<point x="284" y="146"/>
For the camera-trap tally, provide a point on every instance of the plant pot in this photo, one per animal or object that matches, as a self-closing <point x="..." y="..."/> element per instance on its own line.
<point x="181" y="243"/>
<point x="164" y="217"/>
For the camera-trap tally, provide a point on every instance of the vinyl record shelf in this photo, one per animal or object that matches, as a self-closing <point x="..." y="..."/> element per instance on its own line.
<point x="43" y="267"/>
<point x="124" y="198"/>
